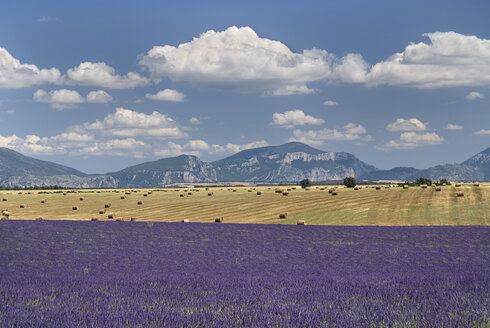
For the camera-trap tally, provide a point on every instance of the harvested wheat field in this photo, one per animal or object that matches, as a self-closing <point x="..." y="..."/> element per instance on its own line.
<point x="367" y="206"/>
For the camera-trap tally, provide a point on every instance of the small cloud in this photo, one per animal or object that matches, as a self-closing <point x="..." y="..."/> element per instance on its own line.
<point x="292" y="118"/>
<point x="289" y="90"/>
<point x="349" y="132"/>
<point x="46" y="19"/>
<point x="167" y="95"/>
<point x="14" y="74"/>
<point x="10" y="112"/>
<point x="483" y="132"/>
<point x="330" y="103"/>
<point x="412" y="124"/>
<point x="474" y="95"/>
<point x="195" y="121"/>
<point x="99" y="97"/>
<point x="102" y="75"/>
<point x="411" y="140"/>
<point x="454" y="127"/>
<point x="59" y="99"/>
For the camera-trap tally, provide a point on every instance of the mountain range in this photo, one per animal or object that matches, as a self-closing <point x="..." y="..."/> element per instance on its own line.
<point x="290" y="162"/>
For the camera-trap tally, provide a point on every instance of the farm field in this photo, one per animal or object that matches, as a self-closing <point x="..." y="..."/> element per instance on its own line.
<point x="155" y="274"/>
<point x="367" y="206"/>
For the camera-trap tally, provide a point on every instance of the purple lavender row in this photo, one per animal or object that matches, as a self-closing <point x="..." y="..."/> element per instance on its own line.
<point x="122" y="274"/>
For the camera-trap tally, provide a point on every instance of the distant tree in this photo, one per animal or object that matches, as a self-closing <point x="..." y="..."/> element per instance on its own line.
<point x="444" y="181"/>
<point x="305" y="183"/>
<point x="421" y="181"/>
<point x="350" y="182"/>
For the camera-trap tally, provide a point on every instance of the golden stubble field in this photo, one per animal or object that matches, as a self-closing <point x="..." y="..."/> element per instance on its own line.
<point x="367" y="206"/>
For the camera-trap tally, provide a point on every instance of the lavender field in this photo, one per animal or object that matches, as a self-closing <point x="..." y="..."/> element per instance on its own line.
<point x="137" y="274"/>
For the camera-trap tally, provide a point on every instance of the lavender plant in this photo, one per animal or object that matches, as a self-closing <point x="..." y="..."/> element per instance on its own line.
<point x="126" y="274"/>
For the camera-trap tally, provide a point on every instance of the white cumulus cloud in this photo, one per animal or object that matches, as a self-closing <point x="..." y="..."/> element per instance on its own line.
<point x="102" y="75"/>
<point x="349" y="132"/>
<point x="474" y="95"/>
<point x="449" y="60"/>
<point x="237" y="59"/>
<point x="128" y="123"/>
<point x="483" y="132"/>
<point x="59" y="99"/>
<point x="197" y="147"/>
<point x="291" y="118"/>
<point x="330" y="103"/>
<point x="167" y="95"/>
<point x="410" y="140"/>
<point x="453" y="127"/>
<point x="194" y="121"/>
<point x="411" y="124"/>
<point x="99" y="97"/>
<point x="14" y="74"/>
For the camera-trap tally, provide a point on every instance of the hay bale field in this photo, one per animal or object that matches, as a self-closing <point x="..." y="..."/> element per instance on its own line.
<point x="394" y="206"/>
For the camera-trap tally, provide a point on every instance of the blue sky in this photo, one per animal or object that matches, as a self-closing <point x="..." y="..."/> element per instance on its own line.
<point x="103" y="85"/>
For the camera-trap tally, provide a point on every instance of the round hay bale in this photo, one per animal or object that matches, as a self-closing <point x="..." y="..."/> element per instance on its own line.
<point x="285" y="193"/>
<point x="122" y="197"/>
<point x="107" y="205"/>
<point x="4" y="199"/>
<point x="145" y="195"/>
<point x="150" y="192"/>
<point x="278" y="191"/>
<point x="460" y="194"/>
<point x="234" y="190"/>
<point x="210" y="194"/>
<point x="334" y="193"/>
<point x="22" y="206"/>
<point x="289" y="189"/>
<point x="43" y="201"/>
<point x="189" y="193"/>
<point x="81" y="198"/>
<point x="438" y="189"/>
<point x="94" y="219"/>
<point x="140" y="202"/>
<point x="378" y="188"/>
<point x="64" y="194"/>
<point x="457" y="185"/>
<point x="250" y="190"/>
<point x="181" y="195"/>
<point x="110" y="216"/>
<point x="6" y="213"/>
<point x="444" y="184"/>
<point x="356" y="188"/>
<point x="423" y="186"/>
<point x="119" y="219"/>
<point x="101" y="211"/>
<point x="127" y="193"/>
<point x="39" y="218"/>
<point x="476" y="185"/>
<point x="218" y="220"/>
<point x="184" y="220"/>
<point x="74" y="208"/>
<point x="283" y="215"/>
<point x="405" y="186"/>
<point x="132" y="219"/>
<point x="331" y="190"/>
<point x="259" y="193"/>
<point x="301" y="222"/>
